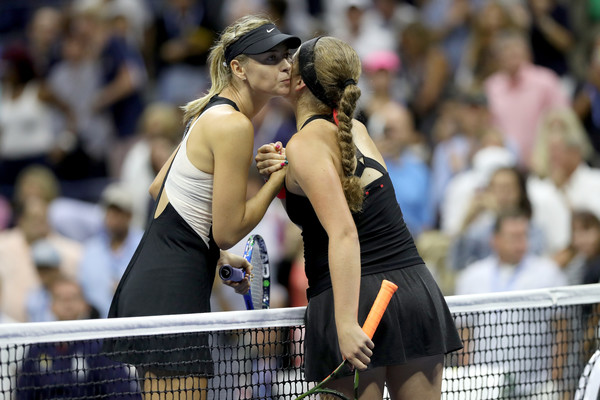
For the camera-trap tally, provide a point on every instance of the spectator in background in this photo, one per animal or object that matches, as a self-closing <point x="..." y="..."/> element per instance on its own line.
<point x="507" y="190"/>
<point x="461" y="188"/>
<point x="381" y="68"/>
<point x="68" y="302"/>
<point x="394" y="17"/>
<point x="448" y="22"/>
<point x="106" y="255"/>
<point x="550" y="35"/>
<point x="581" y="260"/>
<point x="76" y="80"/>
<point x="39" y="300"/>
<point x="36" y="181"/>
<point x="369" y="26"/>
<point x="520" y="93"/>
<point x="405" y="156"/>
<point x="123" y="77"/>
<point x="511" y="266"/>
<point x="560" y="160"/>
<point x="550" y="212"/>
<point x="68" y="370"/>
<point x="457" y="133"/>
<point x="586" y="102"/>
<point x="160" y="130"/>
<point x="350" y="26"/>
<point x="425" y="75"/>
<point x="14" y="18"/>
<point x="478" y="61"/>
<point x="433" y="247"/>
<point x="183" y="33"/>
<point x="73" y="218"/>
<point x="277" y="10"/>
<point x="18" y="272"/>
<point x="305" y="18"/>
<point x="536" y="338"/>
<point x="25" y="118"/>
<point x="232" y="10"/>
<point x="44" y="35"/>
<point x="130" y="19"/>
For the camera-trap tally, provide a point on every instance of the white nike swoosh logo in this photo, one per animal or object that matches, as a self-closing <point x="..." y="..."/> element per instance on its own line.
<point x="270" y="30"/>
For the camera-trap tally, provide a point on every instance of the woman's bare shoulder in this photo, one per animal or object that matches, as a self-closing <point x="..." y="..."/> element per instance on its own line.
<point x="220" y="120"/>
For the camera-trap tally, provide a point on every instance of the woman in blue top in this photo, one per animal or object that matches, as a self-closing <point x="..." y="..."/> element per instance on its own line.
<point x="339" y="192"/>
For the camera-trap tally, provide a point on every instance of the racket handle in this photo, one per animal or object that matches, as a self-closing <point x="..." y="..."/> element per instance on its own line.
<point x="378" y="308"/>
<point x="229" y="273"/>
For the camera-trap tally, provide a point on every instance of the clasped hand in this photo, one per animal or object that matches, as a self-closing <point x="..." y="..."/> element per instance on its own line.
<point x="270" y="158"/>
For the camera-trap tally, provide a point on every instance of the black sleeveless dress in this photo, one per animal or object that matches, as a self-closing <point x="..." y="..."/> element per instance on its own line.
<point x="417" y="322"/>
<point x="171" y="272"/>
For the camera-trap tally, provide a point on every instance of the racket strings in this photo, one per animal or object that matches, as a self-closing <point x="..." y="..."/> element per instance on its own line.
<point x="256" y="281"/>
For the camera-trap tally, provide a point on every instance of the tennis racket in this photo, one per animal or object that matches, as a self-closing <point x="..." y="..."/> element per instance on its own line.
<point x="256" y="254"/>
<point x="589" y="382"/>
<point x="373" y="318"/>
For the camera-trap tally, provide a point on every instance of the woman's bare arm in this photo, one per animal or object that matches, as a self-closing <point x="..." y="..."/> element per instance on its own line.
<point x="314" y="170"/>
<point x="234" y="216"/>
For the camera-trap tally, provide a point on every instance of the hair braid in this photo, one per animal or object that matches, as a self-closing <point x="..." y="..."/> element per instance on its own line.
<point x="336" y="63"/>
<point x="351" y="184"/>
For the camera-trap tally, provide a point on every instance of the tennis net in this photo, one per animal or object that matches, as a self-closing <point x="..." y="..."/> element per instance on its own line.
<point x="517" y="345"/>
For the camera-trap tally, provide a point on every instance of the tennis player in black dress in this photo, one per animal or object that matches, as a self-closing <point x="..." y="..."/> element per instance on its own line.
<point x="338" y="191"/>
<point x="202" y="207"/>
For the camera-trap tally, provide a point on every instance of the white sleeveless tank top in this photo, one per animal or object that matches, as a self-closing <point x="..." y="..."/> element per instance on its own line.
<point x="190" y="190"/>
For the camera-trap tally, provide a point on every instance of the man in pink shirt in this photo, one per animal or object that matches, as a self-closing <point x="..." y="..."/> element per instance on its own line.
<point x="520" y="93"/>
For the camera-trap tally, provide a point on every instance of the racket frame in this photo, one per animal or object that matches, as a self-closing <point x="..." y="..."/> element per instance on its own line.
<point x="256" y="242"/>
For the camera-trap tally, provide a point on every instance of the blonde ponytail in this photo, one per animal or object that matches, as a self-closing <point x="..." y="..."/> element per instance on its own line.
<point x="220" y="72"/>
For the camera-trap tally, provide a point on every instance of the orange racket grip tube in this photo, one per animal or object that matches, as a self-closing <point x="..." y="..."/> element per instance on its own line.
<point x="378" y="308"/>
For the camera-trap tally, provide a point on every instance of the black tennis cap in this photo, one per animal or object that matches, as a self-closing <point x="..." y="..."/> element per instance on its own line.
<point x="260" y="40"/>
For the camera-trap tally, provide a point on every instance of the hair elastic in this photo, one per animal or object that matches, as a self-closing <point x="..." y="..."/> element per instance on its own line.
<point x="348" y="82"/>
<point x="336" y="121"/>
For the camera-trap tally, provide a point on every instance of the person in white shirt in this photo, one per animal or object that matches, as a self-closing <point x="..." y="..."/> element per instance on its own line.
<point x="560" y="159"/>
<point x="510" y="267"/>
<point x="530" y="341"/>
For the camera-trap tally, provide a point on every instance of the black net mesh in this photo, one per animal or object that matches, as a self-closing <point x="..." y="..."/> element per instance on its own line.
<point x="524" y="352"/>
<point x="528" y="353"/>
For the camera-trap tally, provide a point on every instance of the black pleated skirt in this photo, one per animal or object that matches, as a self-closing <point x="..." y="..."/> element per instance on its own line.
<point x="417" y="323"/>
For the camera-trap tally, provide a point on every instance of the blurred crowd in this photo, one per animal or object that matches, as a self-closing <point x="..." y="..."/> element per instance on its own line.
<point x="487" y="113"/>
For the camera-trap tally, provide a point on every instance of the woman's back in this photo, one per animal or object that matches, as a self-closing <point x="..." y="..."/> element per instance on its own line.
<point x="385" y="242"/>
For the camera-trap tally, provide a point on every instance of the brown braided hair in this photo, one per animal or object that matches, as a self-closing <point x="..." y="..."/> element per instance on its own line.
<point x="338" y="69"/>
